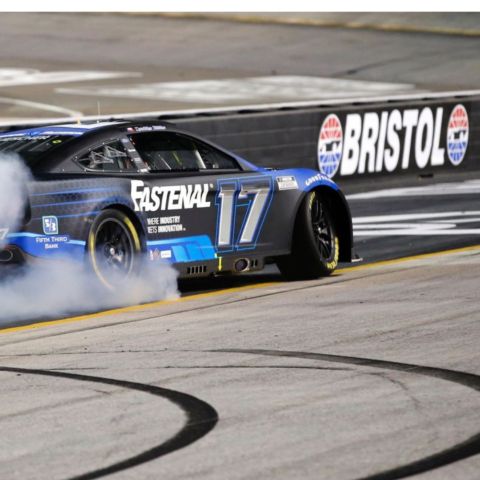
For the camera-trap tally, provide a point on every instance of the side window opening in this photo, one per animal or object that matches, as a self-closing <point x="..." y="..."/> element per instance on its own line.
<point x="165" y="151"/>
<point x="111" y="157"/>
<point x="214" y="159"/>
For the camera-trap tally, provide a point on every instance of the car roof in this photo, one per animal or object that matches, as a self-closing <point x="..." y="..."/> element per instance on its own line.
<point x="83" y="133"/>
<point x="79" y="129"/>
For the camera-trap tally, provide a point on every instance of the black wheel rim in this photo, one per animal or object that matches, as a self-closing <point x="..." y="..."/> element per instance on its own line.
<point x="322" y="229"/>
<point x="114" y="250"/>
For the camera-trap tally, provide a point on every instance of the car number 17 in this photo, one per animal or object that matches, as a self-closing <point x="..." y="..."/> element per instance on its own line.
<point x="243" y="202"/>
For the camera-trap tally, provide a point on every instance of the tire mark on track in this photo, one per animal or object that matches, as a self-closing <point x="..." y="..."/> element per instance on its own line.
<point x="459" y="451"/>
<point x="201" y="418"/>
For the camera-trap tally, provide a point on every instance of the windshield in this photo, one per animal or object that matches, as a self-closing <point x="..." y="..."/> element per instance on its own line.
<point x="30" y="148"/>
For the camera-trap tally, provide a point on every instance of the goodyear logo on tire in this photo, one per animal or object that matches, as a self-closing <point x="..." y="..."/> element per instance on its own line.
<point x="330" y="143"/>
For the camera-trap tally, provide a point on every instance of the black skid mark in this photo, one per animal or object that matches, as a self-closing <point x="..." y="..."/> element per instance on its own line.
<point x="457" y="452"/>
<point x="201" y="418"/>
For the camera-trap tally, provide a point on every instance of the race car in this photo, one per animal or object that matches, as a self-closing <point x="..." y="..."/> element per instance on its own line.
<point x="116" y="194"/>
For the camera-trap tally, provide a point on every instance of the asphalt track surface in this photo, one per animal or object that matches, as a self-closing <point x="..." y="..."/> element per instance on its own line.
<point x="145" y="49"/>
<point x="372" y="373"/>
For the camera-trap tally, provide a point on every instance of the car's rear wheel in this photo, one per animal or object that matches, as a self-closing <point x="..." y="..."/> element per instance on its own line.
<point x="315" y="245"/>
<point x="114" y="248"/>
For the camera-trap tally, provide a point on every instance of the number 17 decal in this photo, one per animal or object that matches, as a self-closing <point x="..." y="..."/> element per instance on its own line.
<point x="242" y="207"/>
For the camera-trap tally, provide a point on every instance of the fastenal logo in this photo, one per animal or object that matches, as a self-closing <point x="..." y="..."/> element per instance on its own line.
<point x="457" y="134"/>
<point x="330" y="143"/>
<point x="174" y="197"/>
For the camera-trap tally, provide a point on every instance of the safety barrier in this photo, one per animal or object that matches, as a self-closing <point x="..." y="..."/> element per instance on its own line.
<point x="350" y="139"/>
<point x="356" y="140"/>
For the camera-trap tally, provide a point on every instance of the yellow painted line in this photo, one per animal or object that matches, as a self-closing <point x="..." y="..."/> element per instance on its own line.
<point x="421" y="256"/>
<point x="137" y="308"/>
<point x="133" y="308"/>
<point x="317" y="22"/>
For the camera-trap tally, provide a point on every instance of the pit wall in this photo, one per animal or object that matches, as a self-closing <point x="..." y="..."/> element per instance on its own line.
<point x="365" y="139"/>
<point x="354" y="141"/>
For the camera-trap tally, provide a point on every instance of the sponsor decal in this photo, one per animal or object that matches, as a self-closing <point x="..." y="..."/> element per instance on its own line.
<point x="457" y="134"/>
<point x="50" y="225"/>
<point x="45" y="245"/>
<point x="177" y="197"/>
<point x="3" y="233"/>
<point x="164" y="225"/>
<point x="156" y="254"/>
<point x="287" y="183"/>
<point x="333" y="264"/>
<point x="330" y="142"/>
<point x="393" y="140"/>
<point x="316" y="178"/>
<point x="52" y="242"/>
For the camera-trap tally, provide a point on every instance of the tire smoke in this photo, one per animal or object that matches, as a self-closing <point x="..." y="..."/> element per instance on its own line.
<point x="51" y="289"/>
<point x="14" y="176"/>
<point x="59" y="288"/>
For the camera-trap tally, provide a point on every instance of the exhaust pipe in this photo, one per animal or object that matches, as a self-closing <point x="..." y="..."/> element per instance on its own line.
<point x="6" y="255"/>
<point x="241" y="265"/>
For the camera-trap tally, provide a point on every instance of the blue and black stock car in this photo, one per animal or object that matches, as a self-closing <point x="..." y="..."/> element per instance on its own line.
<point x="114" y="194"/>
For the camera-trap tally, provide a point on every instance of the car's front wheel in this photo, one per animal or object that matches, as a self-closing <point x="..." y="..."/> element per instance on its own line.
<point x="315" y="245"/>
<point x="114" y="248"/>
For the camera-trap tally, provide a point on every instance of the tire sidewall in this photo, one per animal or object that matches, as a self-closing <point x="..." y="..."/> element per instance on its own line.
<point x="132" y="234"/>
<point x="324" y="265"/>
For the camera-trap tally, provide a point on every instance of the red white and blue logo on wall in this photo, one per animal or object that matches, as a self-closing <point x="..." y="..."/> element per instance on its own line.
<point x="457" y="134"/>
<point x="330" y="144"/>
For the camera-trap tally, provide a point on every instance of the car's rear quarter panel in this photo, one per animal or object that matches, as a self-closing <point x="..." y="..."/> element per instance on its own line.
<point x="73" y="204"/>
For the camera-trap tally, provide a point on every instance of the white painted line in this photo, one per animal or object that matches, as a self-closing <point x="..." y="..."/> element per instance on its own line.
<point x="388" y="226"/>
<point x="41" y="106"/>
<point x="457" y="220"/>
<point x="282" y="87"/>
<point x="405" y="226"/>
<point x="13" y="77"/>
<point x="265" y="107"/>
<point x="412" y="216"/>
<point x="463" y="188"/>
<point x="415" y="232"/>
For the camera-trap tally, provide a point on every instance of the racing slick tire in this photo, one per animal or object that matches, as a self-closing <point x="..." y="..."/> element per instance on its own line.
<point x="114" y="248"/>
<point x="315" y="245"/>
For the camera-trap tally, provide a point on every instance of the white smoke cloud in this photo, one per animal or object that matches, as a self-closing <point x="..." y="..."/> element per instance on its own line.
<point x="56" y="288"/>
<point x="64" y="288"/>
<point x="13" y="181"/>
